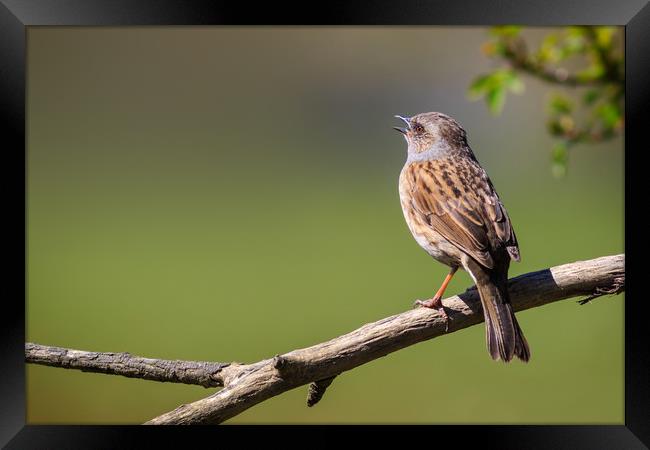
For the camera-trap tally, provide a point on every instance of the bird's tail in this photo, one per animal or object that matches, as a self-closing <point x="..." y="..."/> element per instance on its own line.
<point x="502" y="332"/>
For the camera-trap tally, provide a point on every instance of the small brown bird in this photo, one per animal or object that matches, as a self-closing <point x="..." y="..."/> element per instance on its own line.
<point x="456" y="216"/>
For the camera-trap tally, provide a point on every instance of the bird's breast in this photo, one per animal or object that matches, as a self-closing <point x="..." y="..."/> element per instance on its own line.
<point x="426" y="237"/>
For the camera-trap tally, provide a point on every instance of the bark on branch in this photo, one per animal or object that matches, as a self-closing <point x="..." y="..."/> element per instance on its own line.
<point x="246" y="385"/>
<point x="206" y="374"/>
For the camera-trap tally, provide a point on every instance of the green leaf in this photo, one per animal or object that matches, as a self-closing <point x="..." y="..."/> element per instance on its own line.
<point x="560" y="159"/>
<point x="494" y="86"/>
<point x="480" y="85"/>
<point x="604" y="36"/>
<point x="506" y="30"/>
<point x="558" y="170"/>
<point x="514" y="83"/>
<point x="550" y="40"/>
<point x="576" y="31"/>
<point x="591" y="96"/>
<point x="548" y="50"/>
<point x="609" y="113"/>
<point x="574" y="44"/>
<point x="592" y="72"/>
<point x="495" y="100"/>
<point x="554" y="127"/>
<point x="560" y="104"/>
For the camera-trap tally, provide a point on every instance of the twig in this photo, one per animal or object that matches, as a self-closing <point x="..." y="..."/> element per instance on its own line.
<point x="615" y="288"/>
<point x="317" y="390"/>
<point x="249" y="384"/>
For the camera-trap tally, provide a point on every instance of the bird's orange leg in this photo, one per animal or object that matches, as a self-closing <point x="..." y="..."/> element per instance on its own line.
<point x="436" y="301"/>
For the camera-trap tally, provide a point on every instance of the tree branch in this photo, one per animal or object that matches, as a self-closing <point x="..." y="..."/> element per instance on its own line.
<point x="515" y="52"/>
<point x="206" y="374"/>
<point x="249" y="384"/>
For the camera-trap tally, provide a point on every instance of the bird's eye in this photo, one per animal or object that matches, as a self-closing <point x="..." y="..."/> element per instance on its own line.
<point x="418" y="128"/>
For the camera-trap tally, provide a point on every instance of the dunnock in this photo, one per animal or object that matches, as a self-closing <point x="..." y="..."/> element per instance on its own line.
<point x="456" y="216"/>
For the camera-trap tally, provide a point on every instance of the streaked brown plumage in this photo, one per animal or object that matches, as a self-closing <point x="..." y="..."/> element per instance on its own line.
<point x="455" y="214"/>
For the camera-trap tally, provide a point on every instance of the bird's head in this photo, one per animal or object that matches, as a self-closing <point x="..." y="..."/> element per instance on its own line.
<point x="432" y="132"/>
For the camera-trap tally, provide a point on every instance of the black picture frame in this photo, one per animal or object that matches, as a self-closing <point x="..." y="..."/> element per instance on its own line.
<point x="16" y="15"/>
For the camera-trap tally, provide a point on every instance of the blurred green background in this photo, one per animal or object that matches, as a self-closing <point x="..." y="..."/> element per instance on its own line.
<point x="231" y="193"/>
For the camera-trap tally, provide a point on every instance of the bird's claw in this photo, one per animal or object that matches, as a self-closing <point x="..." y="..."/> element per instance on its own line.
<point x="418" y="303"/>
<point x="434" y="303"/>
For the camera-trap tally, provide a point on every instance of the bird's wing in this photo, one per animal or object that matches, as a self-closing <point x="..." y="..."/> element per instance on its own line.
<point x="457" y="199"/>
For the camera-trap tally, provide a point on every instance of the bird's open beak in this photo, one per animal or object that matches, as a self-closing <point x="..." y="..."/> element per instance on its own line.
<point x="407" y="121"/>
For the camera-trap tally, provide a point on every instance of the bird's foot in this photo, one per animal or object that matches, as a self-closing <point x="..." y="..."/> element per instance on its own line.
<point x="434" y="303"/>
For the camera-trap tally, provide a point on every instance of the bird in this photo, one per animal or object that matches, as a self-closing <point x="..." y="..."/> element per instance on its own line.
<point x="454" y="213"/>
